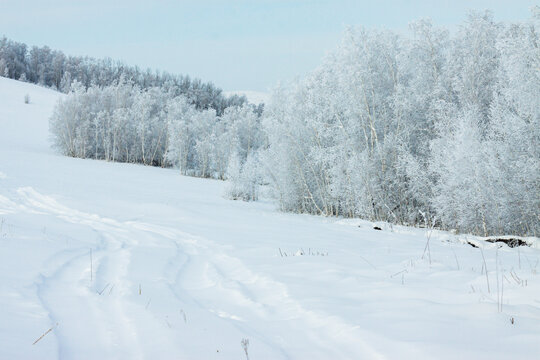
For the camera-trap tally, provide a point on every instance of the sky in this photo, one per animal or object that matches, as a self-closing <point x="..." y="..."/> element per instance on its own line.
<point x="236" y="44"/>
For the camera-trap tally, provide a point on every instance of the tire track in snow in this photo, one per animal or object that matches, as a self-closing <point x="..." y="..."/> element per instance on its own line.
<point x="227" y="277"/>
<point x="212" y="280"/>
<point x="103" y="327"/>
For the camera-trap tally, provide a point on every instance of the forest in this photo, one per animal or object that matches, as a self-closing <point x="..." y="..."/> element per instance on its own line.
<point x="54" y="69"/>
<point x="436" y="128"/>
<point x="433" y="128"/>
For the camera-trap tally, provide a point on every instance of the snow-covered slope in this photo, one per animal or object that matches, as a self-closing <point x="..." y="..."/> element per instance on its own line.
<point x="119" y="261"/>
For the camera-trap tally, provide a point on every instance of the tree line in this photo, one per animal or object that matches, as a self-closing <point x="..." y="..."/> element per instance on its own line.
<point x="54" y="69"/>
<point x="123" y="122"/>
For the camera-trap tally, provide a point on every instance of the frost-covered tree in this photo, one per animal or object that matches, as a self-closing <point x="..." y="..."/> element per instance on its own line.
<point x="335" y="126"/>
<point x="245" y="128"/>
<point x="461" y="167"/>
<point x="244" y="178"/>
<point x="181" y="142"/>
<point x="514" y="136"/>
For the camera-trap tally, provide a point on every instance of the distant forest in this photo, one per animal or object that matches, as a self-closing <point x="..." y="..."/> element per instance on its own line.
<point x="54" y="69"/>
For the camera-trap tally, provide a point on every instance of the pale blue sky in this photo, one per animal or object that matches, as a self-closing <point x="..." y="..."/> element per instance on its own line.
<point x="236" y="44"/>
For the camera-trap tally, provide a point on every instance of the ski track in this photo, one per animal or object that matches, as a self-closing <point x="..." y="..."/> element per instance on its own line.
<point x="197" y="274"/>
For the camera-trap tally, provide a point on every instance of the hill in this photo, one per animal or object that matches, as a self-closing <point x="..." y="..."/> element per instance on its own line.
<point x="103" y="260"/>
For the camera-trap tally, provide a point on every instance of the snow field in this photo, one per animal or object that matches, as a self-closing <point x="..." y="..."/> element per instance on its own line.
<point x="131" y="262"/>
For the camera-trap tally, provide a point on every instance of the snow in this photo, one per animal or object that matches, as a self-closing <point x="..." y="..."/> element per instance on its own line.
<point x="254" y="97"/>
<point x="125" y="261"/>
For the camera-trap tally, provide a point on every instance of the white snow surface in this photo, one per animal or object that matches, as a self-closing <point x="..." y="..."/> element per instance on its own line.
<point x="122" y="261"/>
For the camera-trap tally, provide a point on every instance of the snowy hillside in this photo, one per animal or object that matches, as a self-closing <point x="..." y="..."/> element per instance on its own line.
<point x="117" y="261"/>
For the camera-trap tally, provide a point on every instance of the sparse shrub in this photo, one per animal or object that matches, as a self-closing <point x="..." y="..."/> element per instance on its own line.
<point x="245" y="345"/>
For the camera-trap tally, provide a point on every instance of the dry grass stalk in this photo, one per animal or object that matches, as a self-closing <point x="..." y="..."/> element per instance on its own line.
<point x="45" y="333"/>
